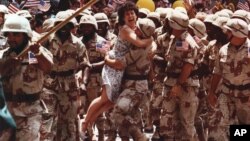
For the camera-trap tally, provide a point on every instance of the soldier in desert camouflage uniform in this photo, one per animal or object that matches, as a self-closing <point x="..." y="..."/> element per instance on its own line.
<point x="230" y="83"/>
<point x="155" y="17"/>
<point x="49" y="117"/>
<point x="145" y="107"/>
<point x="211" y="55"/>
<point x="164" y="28"/>
<point x="158" y="70"/>
<point x="126" y="115"/>
<point x="151" y="110"/>
<point x="48" y="95"/>
<point x="70" y="56"/>
<point x="197" y="30"/>
<point x="23" y="79"/>
<point x="94" y="44"/>
<point x="103" y="30"/>
<point x="113" y="23"/>
<point x="180" y="84"/>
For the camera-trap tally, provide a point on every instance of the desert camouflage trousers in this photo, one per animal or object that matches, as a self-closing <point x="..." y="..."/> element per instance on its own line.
<point x="126" y="112"/>
<point x="178" y="115"/>
<point x="28" y="120"/>
<point x="67" y="127"/>
<point x="156" y="100"/>
<point x="234" y="110"/>
<point x="28" y="128"/>
<point x="49" y="117"/>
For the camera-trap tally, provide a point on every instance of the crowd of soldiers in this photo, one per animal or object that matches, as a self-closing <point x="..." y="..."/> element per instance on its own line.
<point x="190" y="84"/>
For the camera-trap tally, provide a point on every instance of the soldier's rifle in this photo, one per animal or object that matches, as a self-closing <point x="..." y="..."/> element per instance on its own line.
<point x="60" y="25"/>
<point x="172" y="37"/>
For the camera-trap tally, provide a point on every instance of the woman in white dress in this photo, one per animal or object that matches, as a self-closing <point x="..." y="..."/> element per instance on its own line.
<point x="112" y="77"/>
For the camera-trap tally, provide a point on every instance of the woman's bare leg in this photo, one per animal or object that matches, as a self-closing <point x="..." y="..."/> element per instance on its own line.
<point x="104" y="108"/>
<point x="94" y="108"/>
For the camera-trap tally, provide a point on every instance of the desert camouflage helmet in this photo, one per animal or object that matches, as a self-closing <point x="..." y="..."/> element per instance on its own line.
<point x="154" y="15"/>
<point x="48" y="24"/>
<point x="242" y="14"/>
<point x="146" y="26"/>
<point x="144" y="11"/>
<point x="238" y="27"/>
<point x="210" y="18"/>
<point x="101" y="17"/>
<point x="16" y="23"/>
<point x="181" y="9"/>
<point x="178" y="20"/>
<point x="62" y="16"/>
<point x="222" y="14"/>
<point x="88" y="19"/>
<point x="228" y="11"/>
<point x="4" y="9"/>
<point x="221" y="22"/>
<point x="24" y="13"/>
<point x="198" y="27"/>
<point x="201" y="16"/>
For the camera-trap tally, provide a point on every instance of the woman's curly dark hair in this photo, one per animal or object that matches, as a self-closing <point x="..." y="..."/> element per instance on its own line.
<point x="128" y="6"/>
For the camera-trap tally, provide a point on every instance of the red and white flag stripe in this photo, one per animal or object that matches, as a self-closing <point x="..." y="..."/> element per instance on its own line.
<point x="12" y="9"/>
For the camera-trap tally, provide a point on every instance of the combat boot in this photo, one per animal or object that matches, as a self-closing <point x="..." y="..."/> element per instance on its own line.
<point x="137" y="135"/>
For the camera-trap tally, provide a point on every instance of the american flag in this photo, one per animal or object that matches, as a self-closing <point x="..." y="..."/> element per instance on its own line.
<point x="243" y="4"/>
<point x="12" y="8"/>
<point x="37" y="3"/>
<point x="32" y="58"/>
<point x="103" y="46"/>
<point x="114" y="3"/>
<point x="181" y="45"/>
